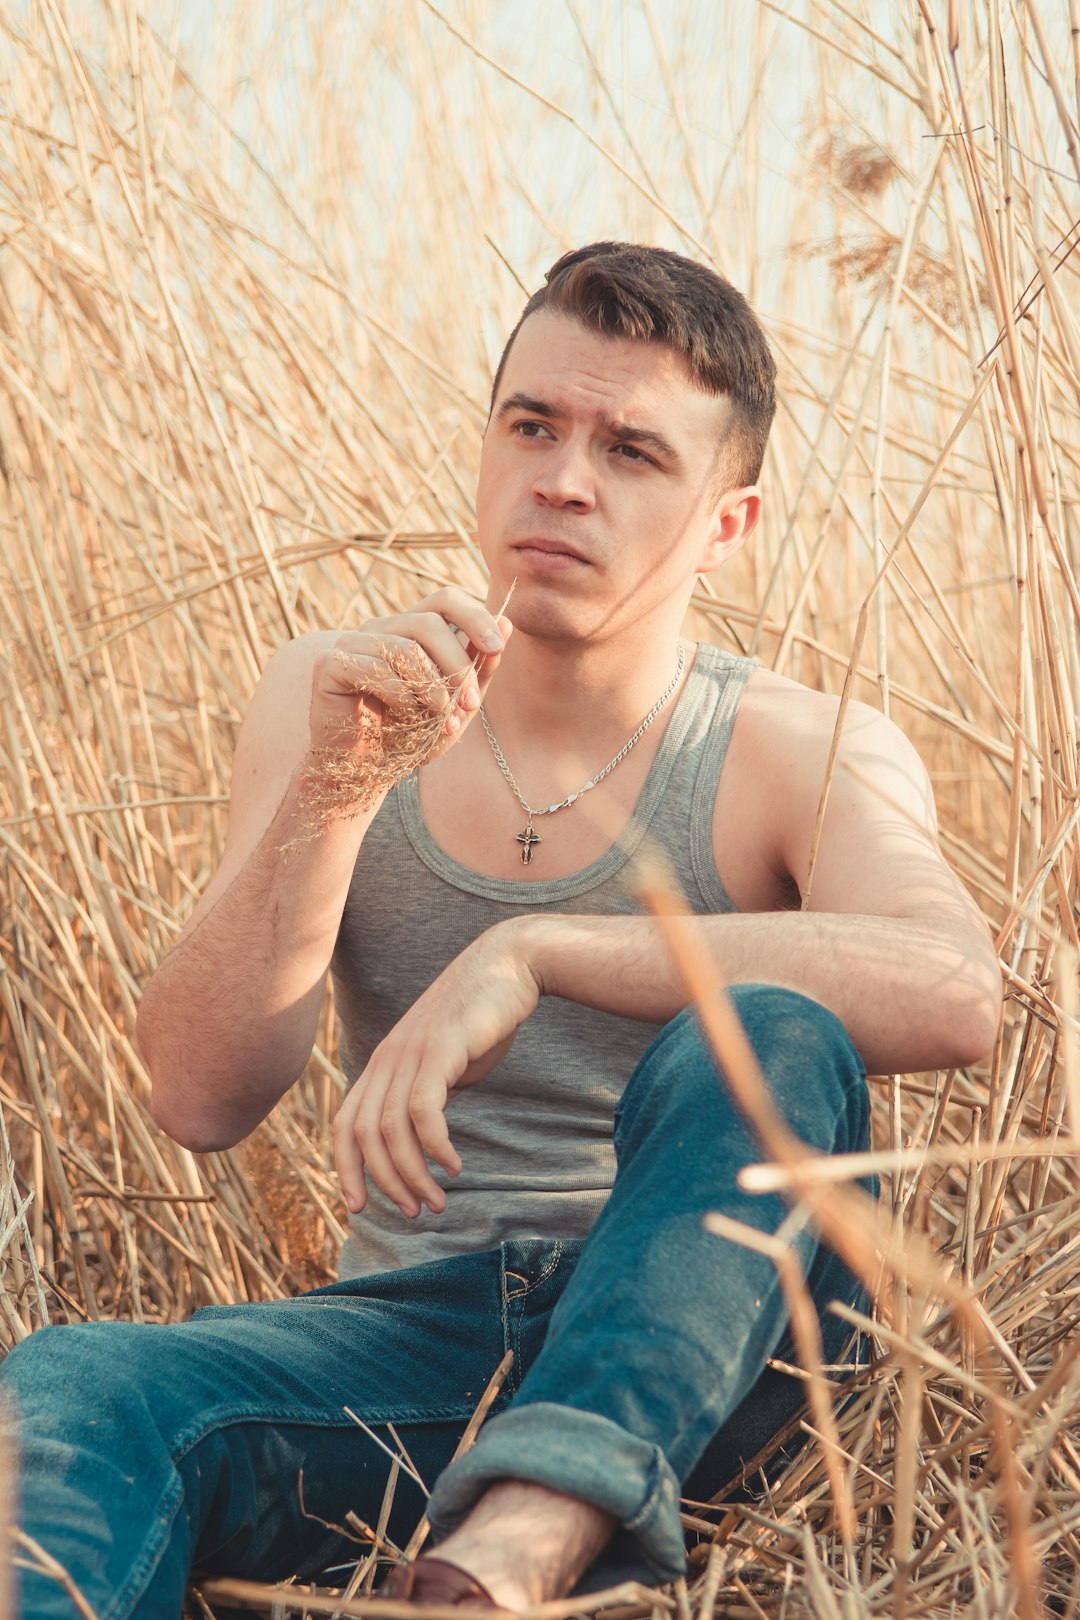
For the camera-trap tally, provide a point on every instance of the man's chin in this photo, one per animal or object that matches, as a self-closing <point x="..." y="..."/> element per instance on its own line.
<point x="549" y="619"/>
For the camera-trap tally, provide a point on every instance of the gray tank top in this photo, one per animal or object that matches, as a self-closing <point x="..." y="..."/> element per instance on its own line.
<point x="535" y="1136"/>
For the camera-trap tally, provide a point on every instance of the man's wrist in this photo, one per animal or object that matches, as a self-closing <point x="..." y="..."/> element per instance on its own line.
<point x="529" y="940"/>
<point x="334" y="786"/>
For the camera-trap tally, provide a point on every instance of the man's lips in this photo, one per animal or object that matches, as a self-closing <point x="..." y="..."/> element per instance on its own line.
<point x="549" y="548"/>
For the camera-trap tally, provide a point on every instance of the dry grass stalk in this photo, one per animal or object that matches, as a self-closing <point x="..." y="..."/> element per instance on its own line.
<point x="32" y="1555"/>
<point x="852" y="1224"/>
<point x="467" y="1441"/>
<point x="235" y="403"/>
<point x="381" y="748"/>
<point x="806" y="1331"/>
<point x="625" y="1602"/>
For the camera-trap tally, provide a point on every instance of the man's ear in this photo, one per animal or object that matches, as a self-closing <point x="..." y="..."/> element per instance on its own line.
<point x="735" y="517"/>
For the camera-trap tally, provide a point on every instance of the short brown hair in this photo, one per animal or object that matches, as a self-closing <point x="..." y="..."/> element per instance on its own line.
<point x="651" y="295"/>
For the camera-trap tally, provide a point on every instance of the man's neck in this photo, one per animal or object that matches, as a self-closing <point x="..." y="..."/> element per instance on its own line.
<point x="549" y="695"/>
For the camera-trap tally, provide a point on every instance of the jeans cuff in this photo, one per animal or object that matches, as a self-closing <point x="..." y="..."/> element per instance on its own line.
<point x="579" y="1454"/>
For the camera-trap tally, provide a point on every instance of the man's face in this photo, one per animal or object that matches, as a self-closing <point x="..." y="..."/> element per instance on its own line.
<point x="597" y="486"/>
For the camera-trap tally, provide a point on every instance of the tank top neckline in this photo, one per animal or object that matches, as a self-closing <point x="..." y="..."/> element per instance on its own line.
<point x="617" y="855"/>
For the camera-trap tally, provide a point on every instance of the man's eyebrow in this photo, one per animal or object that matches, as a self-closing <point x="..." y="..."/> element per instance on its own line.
<point x="618" y="429"/>
<point x="640" y="435"/>
<point x="525" y="402"/>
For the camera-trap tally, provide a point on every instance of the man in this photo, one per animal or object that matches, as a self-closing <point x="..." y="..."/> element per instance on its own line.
<point x="503" y="999"/>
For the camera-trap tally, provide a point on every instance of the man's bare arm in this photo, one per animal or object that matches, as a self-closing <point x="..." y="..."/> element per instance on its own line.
<point x="912" y="994"/>
<point x="228" y="1020"/>
<point x="888" y="938"/>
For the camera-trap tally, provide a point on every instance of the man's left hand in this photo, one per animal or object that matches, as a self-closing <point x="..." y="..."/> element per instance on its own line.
<point x="393" y="1119"/>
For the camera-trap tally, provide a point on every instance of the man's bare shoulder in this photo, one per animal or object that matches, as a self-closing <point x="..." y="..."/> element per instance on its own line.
<point x="771" y="790"/>
<point x="788" y="705"/>
<point x="781" y="719"/>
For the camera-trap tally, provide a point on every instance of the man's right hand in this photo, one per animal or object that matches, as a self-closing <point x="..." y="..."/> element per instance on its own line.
<point x="439" y="657"/>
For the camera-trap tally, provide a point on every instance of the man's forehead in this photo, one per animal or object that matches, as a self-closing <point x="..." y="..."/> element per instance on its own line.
<point x="562" y="365"/>
<point x="548" y="343"/>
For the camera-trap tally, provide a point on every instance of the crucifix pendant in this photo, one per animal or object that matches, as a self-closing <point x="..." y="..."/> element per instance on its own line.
<point x="527" y="839"/>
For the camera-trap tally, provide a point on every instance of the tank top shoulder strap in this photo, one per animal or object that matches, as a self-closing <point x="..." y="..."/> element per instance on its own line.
<point x="727" y="674"/>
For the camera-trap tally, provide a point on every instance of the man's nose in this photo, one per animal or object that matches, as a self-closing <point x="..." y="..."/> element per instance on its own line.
<point x="566" y="479"/>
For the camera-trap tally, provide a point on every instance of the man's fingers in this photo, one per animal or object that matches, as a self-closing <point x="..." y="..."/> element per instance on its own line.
<point x="486" y="633"/>
<point x="348" y="1158"/>
<point x="394" y="664"/>
<point x="467" y="669"/>
<point x="392" y="669"/>
<point x="427" y="1114"/>
<point x="397" y="1125"/>
<point x="392" y="1154"/>
<point x="379" y="1164"/>
<point x="400" y="671"/>
<point x="403" y="1163"/>
<point x="436" y="637"/>
<point x="490" y="663"/>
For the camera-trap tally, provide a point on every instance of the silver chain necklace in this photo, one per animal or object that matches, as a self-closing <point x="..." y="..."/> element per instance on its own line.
<point x="530" y="837"/>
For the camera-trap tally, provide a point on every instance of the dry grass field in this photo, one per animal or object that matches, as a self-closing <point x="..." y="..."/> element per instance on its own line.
<point x="256" y="265"/>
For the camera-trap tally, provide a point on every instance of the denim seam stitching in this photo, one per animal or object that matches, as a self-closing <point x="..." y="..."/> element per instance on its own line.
<point x="552" y="1266"/>
<point x="518" y="1335"/>
<point x="520" y="1296"/>
<point x="652" y="1503"/>
<point x="150" y="1557"/>
<point x="509" y="1343"/>
<point x="516" y="1293"/>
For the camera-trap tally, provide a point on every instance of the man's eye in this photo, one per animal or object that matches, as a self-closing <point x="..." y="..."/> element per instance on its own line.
<point x="531" y="430"/>
<point x="630" y="452"/>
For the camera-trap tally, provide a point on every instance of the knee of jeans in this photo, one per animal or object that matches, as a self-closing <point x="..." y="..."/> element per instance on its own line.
<point x="771" y="1011"/>
<point x="813" y="1071"/>
<point x="63" y="1365"/>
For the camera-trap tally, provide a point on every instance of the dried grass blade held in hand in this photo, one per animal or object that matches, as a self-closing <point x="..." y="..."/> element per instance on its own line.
<point x="382" y="746"/>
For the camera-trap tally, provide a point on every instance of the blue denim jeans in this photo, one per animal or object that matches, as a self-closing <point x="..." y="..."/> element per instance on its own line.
<point x="640" y="1364"/>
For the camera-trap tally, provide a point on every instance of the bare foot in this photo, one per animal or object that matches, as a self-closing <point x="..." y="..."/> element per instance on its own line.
<point x="527" y="1544"/>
